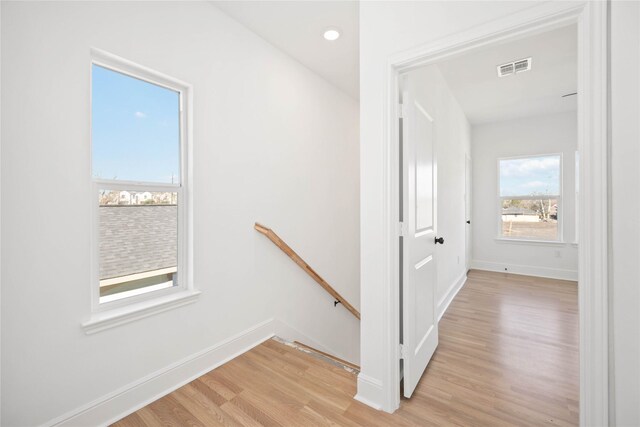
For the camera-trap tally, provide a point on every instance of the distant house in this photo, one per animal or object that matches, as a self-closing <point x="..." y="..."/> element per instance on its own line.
<point x="124" y="198"/>
<point x="140" y="198"/>
<point x="514" y="214"/>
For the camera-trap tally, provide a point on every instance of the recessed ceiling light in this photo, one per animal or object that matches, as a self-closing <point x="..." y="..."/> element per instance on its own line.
<point x="331" y="34"/>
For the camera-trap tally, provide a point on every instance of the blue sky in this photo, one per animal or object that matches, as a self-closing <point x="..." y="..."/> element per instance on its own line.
<point x="530" y="176"/>
<point x="135" y="129"/>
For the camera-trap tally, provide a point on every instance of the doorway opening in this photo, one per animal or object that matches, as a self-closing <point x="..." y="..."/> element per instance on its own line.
<point x="475" y="128"/>
<point x="548" y="218"/>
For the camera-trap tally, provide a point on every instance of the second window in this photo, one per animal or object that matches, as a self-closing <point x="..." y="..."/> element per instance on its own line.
<point x="530" y="197"/>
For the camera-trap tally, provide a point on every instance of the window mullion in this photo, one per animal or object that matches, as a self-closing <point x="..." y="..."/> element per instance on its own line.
<point x="136" y="186"/>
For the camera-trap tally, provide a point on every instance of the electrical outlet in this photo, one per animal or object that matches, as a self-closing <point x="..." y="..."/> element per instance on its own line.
<point x="558" y="253"/>
<point x="458" y="259"/>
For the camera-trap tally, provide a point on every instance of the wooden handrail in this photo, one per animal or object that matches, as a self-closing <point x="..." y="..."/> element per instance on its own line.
<point x="303" y="265"/>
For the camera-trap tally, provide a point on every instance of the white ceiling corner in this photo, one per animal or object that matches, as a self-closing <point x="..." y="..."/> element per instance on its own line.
<point x="297" y="27"/>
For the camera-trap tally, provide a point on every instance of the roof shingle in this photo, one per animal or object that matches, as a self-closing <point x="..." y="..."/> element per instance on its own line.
<point x="137" y="238"/>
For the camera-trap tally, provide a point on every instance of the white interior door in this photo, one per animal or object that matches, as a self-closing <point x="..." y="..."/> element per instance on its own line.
<point x="420" y="324"/>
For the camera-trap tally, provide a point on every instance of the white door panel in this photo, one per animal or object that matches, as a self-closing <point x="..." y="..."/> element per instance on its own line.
<point x="420" y="328"/>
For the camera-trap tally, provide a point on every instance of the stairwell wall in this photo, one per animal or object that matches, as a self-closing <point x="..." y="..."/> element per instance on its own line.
<point x="272" y="142"/>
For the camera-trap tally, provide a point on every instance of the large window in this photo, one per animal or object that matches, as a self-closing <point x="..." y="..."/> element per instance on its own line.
<point x="530" y="198"/>
<point x="139" y="177"/>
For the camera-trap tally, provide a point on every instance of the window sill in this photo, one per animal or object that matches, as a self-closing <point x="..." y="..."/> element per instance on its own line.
<point x="530" y="242"/>
<point x="122" y="315"/>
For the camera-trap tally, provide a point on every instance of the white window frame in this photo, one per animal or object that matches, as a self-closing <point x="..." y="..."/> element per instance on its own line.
<point x="557" y="197"/>
<point x="107" y="314"/>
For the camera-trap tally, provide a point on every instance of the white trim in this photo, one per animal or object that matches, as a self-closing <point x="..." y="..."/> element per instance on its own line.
<point x="593" y="145"/>
<point x="445" y="301"/>
<point x="507" y="240"/>
<point x="121" y="65"/>
<point x="136" y="395"/>
<point x="137" y="276"/>
<point x="370" y="391"/>
<point x="108" y="319"/>
<point x="138" y="291"/>
<point x="111" y="184"/>
<point x="128" y="399"/>
<point x="525" y="270"/>
<point x="184" y="190"/>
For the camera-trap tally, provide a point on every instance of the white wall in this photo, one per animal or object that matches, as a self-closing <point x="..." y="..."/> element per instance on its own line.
<point x="548" y="134"/>
<point x="452" y="136"/>
<point x="387" y="28"/>
<point x="625" y="200"/>
<point x="272" y="143"/>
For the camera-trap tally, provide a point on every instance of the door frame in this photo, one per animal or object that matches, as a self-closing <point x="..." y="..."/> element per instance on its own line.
<point x="468" y="204"/>
<point x="593" y="145"/>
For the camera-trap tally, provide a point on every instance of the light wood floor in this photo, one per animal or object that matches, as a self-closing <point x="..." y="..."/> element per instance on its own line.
<point x="508" y="355"/>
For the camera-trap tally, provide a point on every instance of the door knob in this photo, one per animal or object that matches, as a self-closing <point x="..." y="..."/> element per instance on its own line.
<point x="440" y="240"/>
<point x="468" y="222"/>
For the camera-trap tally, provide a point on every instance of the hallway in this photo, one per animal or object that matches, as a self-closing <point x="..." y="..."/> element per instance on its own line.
<point x="508" y="355"/>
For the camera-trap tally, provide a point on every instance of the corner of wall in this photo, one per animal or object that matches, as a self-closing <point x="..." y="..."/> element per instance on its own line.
<point x="287" y="332"/>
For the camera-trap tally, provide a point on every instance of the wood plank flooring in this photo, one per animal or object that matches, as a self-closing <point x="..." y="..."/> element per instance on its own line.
<point x="508" y="355"/>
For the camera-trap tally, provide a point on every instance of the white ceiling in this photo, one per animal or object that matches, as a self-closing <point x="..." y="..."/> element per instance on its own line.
<point x="297" y="27"/>
<point x="485" y="97"/>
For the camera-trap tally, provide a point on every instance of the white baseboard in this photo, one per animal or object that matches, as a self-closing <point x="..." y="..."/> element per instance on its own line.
<point x="443" y="304"/>
<point x="128" y="399"/>
<point x="138" y="394"/>
<point x="526" y="270"/>
<point x="370" y="391"/>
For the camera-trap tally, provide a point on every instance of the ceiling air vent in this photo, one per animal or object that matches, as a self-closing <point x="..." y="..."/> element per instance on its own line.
<point x="523" y="65"/>
<point x="514" y="67"/>
<point x="505" y="70"/>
